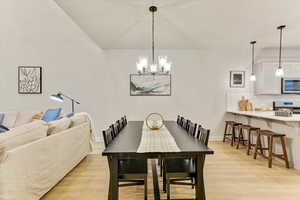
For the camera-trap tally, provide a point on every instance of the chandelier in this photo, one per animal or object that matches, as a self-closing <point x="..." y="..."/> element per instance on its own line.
<point x="160" y="67"/>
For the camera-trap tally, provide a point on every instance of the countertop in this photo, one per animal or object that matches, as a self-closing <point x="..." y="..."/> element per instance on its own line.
<point x="266" y="115"/>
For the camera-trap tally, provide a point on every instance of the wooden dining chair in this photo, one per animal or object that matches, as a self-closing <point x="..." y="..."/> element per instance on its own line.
<point x="116" y="129"/>
<point x="121" y="124"/>
<point x="184" y="123"/>
<point x="131" y="172"/>
<point x="179" y="171"/>
<point x="124" y="120"/>
<point x="192" y="129"/>
<point x="179" y="118"/>
<point x="187" y="125"/>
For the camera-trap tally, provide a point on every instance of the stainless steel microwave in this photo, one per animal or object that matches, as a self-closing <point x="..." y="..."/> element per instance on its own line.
<point x="291" y="86"/>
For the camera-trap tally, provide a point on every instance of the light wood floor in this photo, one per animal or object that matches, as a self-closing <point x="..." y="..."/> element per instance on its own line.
<point x="229" y="175"/>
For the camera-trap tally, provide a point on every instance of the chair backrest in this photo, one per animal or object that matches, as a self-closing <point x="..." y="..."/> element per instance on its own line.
<point x="107" y="136"/>
<point x="178" y="119"/>
<point x="203" y="135"/>
<point x="188" y="125"/>
<point x="116" y="129"/>
<point x="124" y="120"/>
<point x="121" y="125"/>
<point x="184" y="123"/>
<point x="192" y="129"/>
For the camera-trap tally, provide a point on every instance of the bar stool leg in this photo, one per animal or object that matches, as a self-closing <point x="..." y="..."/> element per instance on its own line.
<point x="270" y="141"/>
<point x="284" y="152"/>
<point x="249" y="142"/>
<point x="258" y="143"/>
<point x="233" y="135"/>
<point x="225" y="132"/>
<point x="239" y="138"/>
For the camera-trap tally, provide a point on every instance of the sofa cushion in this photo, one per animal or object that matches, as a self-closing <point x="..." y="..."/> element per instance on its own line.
<point x="78" y="119"/>
<point x="23" y="135"/>
<point x="51" y="115"/>
<point x="59" y="126"/>
<point x="10" y="119"/>
<point x="24" y="117"/>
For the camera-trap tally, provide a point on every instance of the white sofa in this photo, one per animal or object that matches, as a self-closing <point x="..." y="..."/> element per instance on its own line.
<point x="30" y="170"/>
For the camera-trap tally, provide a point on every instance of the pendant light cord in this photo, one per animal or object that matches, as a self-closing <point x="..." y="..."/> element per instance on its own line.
<point x="280" y="44"/>
<point x="252" y="56"/>
<point x="252" y="43"/>
<point x="153" y="45"/>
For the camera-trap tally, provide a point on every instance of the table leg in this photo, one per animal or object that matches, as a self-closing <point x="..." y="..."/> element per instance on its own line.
<point x="113" y="193"/>
<point x="200" y="189"/>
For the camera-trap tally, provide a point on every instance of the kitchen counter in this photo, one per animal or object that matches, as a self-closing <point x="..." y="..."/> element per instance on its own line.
<point x="266" y="115"/>
<point x="290" y="126"/>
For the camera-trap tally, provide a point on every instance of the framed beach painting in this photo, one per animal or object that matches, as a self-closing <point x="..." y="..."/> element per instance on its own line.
<point x="150" y="85"/>
<point x="237" y="79"/>
<point x="29" y="80"/>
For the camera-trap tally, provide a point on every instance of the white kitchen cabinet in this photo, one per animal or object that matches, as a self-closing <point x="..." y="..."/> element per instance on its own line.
<point x="291" y="69"/>
<point x="266" y="81"/>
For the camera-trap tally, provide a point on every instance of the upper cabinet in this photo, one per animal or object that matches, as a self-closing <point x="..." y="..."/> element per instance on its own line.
<point x="266" y="81"/>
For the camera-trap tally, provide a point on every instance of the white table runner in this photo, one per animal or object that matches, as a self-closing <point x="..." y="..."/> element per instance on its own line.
<point x="157" y="141"/>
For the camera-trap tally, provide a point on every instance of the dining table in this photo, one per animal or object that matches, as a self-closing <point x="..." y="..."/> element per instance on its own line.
<point x="126" y="144"/>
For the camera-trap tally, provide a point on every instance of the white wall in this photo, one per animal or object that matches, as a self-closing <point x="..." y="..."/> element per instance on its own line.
<point x="39" y="33"/>
<point x="200" y="79"/>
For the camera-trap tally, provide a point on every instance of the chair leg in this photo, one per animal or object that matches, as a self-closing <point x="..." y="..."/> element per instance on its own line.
<point x="164" y="180"/>
<point x="257" y="146"/>
<point x="286" y="159"/>
<point x="168" y="189"/>
<point x="225" y="132"/>
<point x="270" y="141"/>
<point x="145" y="188"/>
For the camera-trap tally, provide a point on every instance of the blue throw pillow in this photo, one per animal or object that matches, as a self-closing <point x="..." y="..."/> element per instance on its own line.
<point x="1" y="118"/>
<point x="51" y="115"/>
<point x="3" y="129"/>
<point x="69" y="115"/>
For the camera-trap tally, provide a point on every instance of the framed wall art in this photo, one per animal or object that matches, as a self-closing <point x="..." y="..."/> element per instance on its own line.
<point x="237" y="79"/>
<point x="150" y="85"/>
<point x="29" y="80"/>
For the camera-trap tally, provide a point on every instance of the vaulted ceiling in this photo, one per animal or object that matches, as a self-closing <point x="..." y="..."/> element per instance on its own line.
<point x="186" y="24"/>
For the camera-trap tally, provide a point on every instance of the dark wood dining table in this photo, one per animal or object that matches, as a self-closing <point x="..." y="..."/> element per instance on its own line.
<point x="125" y="146"/>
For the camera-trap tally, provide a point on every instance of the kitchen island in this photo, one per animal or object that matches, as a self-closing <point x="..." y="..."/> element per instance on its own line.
<point x="290" y="126"/>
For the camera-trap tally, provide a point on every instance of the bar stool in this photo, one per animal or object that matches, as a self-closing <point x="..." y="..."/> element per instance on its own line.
<point x="231" y="136"/>
<point x="249" y="130"/>
<point x="271" y="135"/>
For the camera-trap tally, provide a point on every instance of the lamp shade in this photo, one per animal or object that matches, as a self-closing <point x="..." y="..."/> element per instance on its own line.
<point x="57" y="97"/>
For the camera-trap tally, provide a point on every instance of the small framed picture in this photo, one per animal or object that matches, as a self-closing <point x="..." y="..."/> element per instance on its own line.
<point x="237" y="79"/>
<point x="29" y="80"/>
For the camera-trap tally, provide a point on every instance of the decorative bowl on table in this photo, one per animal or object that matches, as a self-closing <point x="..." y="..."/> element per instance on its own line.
<point x="154" y="121"/>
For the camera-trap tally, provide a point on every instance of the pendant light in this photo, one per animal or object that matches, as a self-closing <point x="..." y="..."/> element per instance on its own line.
<point x="279" y="70"/>
<point x="252" y="77"/>
<point x="162" y="66"/>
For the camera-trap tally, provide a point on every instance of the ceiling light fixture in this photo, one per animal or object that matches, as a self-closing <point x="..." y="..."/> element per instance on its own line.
<point x="163" y="66"/>
<point x="279" y="71"/>
<point x="252" y="77"/>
